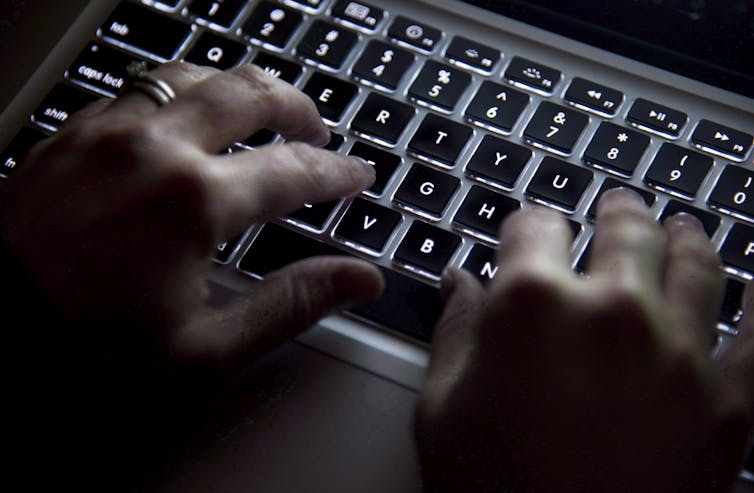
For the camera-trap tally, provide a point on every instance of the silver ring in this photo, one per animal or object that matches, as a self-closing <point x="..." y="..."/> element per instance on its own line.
<point x="140" y="79"/>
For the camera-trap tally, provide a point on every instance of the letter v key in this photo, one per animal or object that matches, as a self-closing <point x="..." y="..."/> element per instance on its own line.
<point x="369" y="222"/>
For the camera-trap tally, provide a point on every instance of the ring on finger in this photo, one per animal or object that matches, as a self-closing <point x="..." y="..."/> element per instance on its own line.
<point x="141" y="80"/>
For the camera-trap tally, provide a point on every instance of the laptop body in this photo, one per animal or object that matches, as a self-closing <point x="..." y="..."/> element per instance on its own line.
<point x="378" y="368"/>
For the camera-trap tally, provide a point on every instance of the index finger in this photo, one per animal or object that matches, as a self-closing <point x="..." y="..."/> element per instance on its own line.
<point x="232" y="105"/>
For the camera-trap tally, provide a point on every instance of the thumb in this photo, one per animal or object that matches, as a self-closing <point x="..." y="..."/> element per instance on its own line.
<point x="286" y="303"/>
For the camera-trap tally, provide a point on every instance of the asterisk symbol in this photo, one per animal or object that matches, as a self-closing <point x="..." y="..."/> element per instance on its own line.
<point x="622" y="137"/>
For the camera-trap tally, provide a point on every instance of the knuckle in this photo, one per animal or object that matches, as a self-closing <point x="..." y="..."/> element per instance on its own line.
<point x="250" y="75"/>
<point x="317" y="172"/>
<point x="696" y="249"/>
<point x="127" y="142"/>
<point x="623" y="318"/>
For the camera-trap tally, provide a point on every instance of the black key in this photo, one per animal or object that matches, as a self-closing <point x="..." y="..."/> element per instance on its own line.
<point x="332" y="96"/>
<point x="426" y="191"/>
<point x="559" y="183"/>
<point x="367" y="224"/>
<point x="709" y="220"/>
<point x="215" y="12"/>
<point x="498" y="162"/>
<point x="216" y="51"/>
<point x="278" y="68"/>
<point x="731" y="310"/>
<point x="611" y="183"/>
<point x="381" y="119"/>
<point x="414" y="34"/>
<point x="594" y="97"/>
<point x="721" y="140"/>
<point x="483" y="211"/>
<point x="272" y="24"/>
<point x="496" y="107"/>
<point x="439" y="86"/>
<point x="406" y="305"/>
<point x="13" y="155"/>
<point x="481" y="262"/>
<point x="358" y="14"/>
<point x="582" y="264"/>
<point x="59" y="105"/>
<point x="307" y="5"/>
<point x="471" y="55"/>
<point x="426" y="248"/>
<point x="533" y="76"/>
<point x="616" y="149"/>
<point x="327" y="44"/>
<point x="678" y="170"/>
<point x="732" y="194"/>
<point x="314" y="216"/>
<point x="224" y="251"/>
<point x="738" y="248"/>
<point x="382" y="65"/>
<point x="555" y="127"/>
<point x="657" y="118"/>
<point x="260" y="138"/>
<point x="384" y="164"/>
<point x="336" y="142"/>
<point x="146" y="30"/>
<point x="170" y="3"/>
<point x="439" y="140"/>
<point x="102" y="68"/>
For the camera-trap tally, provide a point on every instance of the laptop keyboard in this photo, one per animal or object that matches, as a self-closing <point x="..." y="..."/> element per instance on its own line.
<point x="460" y="133"/>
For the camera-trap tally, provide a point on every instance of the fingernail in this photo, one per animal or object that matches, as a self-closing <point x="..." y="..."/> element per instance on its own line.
<point x="448" y="284"/>
<point x="367" y="170"/>
<point x="684" y="220"/>
<point x="622" y="192"/>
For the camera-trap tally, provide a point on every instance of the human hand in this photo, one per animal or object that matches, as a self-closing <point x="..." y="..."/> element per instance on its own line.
<point x="115" y="218"/>
<point x="549" y="382"/>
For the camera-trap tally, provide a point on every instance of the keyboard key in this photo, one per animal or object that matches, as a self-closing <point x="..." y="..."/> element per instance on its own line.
<point x="559" y="183"/>
<point x="426" y="191"/>
<point x="310" y="6"/>
<point x="498" y="162"/>
<point x="406" y="305"/>
<point x="216" y="51"/>
<point x="385" y="164"/>
<point x="332" y="96"/>
<point x="278" y="67"/>
<point x="427" y="249"/>
<point x="709" y="220"/>
<point x="336" y="142"/>
<point x="382" y="65"/>
<point x="439" y="140"/>
<point x="496" y="107"/>
<point x="414" y="34"/>
<point x="481" y="262"/>
<point x="102" y="68"/>
<point x="221" y="14"/>
<point x="590" y="96"/>
<point x="737" y="250"/>
<point x="657" y="118"/>
<point x="471" y="55"/>
<point x="360" y="15"/>
<point x="272" y="24"/>
<point x="224" y="251"/>
<point x="259" y="138"/>
<point x="611" y="183"/>
<point x="533" y="76"/>
<point x="678" y="170"/>
<point x="367" y="224"/>
<point x="146" y="30"/>
<point x="439" y="86"/>
<point x="13" y="155"/>
<point x="62" y="102"/>
<point x="733" y="192"/>
<point x="314" y="216"/>
<point x="616" y="149"/>
<point x="555" y="128"/>
<point x="327" y="44"/>
<point x="721" y="140"/>
<point x="382" y="119"/>
<point x="483" y="211"/>
<point x="731" y="310"/>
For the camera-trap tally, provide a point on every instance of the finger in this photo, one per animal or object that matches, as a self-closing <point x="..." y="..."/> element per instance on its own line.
<point x="286" y="303"/>
<point x="276" y="180"/>
<point x="232" y="105"/>
<point x="738" y="362"/>
<point x="89" y="111"/>
<point x="536" y="241"/>
<point x="180" y="76"/>
<point x="453" y="336"/>
<point x="628" y="246"/>
<point x="693" y="280"/>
